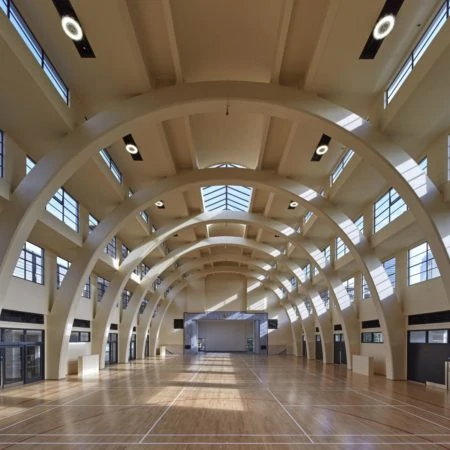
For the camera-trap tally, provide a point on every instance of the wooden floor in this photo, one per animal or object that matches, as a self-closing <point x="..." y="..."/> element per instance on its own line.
<point x="220" y="401"/>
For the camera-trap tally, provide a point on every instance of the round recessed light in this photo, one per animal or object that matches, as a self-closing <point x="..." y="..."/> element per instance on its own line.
<point x="159" y="203"/>
<point x="322" y="149"/>
<point x="293" y="204"/>
<point x="132" y="149"/>
<point x="383" y="27"/>
<point x="72" y="28"/>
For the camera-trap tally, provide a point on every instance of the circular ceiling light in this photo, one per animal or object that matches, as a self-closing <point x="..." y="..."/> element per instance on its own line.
<point x="72" y="28"/>
<point x="383" y="27"/>
<point x="131" y="149"/>
<point x="321" y="149"/>
<point x="293" y="204"/>
<point x="159" y="203"/>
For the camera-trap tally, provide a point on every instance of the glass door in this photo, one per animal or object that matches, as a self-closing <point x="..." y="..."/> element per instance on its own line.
<point x="33" y="362"/>
<point x="12" y="365"/>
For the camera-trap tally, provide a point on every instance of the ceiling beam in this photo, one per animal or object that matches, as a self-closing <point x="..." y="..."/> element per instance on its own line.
<point x="281" y="41"/>
<point x="172" y="40"/>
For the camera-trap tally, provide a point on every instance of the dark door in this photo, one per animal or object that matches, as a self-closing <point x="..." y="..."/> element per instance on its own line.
<point x="427" y="357"/>
<point x="147" y="346"/>
<point x="305" y="352"/>
<point x="132" y="355"/>
<point x="319" y="355"/>
<point x="340" y="355"/>
<point x="111" y="349"/>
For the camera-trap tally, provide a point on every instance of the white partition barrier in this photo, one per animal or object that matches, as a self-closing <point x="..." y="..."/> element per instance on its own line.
<point x="88" y="365"/>
<point x="362" y="364"/>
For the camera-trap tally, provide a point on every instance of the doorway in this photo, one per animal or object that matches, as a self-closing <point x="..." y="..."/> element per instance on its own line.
<point x="21" y="356"/>
<point x="340" y="354"/>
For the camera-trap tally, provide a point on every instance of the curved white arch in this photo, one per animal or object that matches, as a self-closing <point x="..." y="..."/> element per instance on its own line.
<point x="57" y="166"/>
<point x="102" y="322"/>
<point x="204" y="273"/>
<point x="171" y="279"/>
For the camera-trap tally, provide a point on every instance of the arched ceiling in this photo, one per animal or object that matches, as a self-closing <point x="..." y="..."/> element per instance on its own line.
<point x="311" y="47"/>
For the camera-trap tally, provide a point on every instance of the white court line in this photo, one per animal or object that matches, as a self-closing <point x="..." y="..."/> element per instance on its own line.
<point x="412" y="406"/>
<point x="278" y="401"/>
<point x="168" y="407"/>
<point x="405" y="412"/>
<point x="422" y="444"/>
<point x="46" y="411"/>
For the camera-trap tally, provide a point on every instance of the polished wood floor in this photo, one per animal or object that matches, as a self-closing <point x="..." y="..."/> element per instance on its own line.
<point x="220" y="401"/>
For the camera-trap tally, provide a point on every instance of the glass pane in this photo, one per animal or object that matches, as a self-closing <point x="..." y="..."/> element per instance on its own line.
<point x="417" y="337"/>
<point x="33" y="362"/>
<point x="33" y="336"/>
<point x="13" y="365"/>
<point x="13" y="336"/>
<point x="437" y="337"/>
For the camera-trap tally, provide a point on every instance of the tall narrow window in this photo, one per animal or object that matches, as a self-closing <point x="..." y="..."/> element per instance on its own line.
<point x="336" y="173"/>
<point x="62" y="266"/>
<point x="390" y="268"/>
<point x="421" y="264"/>
<point x="423" y="164"/>
<point x="102" y="285"/>
<point x="126" y="297"/>
<point x="144" y="216"/>
<point x="24" y="32"/>
<point x="325" y="296"/>
<point x="365" y="294"/>
<point x="349" y="285"/>
<point x="65" y="208"/>
<point x="388" y="208"/>
<point x="424" y="42"/>
<point x="29" y="165"/>
<point x="359" y="222"/>
<point x="110" y="248"/>
<point x="93" y="222"/>
<point x="86" y="292"/>
<point x="341" y="248"/>
<point x="30" y="265"/>
<point x="307" y="271"/>
<point x="326" y="252"/>
<point x="2" y="155"/>
<point x="112" y="165"/>
<point x="125" y="251"/>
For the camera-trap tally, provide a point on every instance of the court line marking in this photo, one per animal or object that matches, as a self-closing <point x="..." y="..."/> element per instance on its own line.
<point x="412" y="406"/>
<point x="168" y="408"/>
<point x="407" y="412"/>
<point x="422" y="444"/>
<point x="278" y="401"/>
<point x="44" y="412"/>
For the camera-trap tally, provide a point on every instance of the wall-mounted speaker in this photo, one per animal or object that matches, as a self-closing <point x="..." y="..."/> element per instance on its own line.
<point x="273" y="324"/>
<point x="178" y="324"/>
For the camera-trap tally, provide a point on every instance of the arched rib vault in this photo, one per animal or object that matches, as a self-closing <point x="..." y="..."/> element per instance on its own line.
<point x="69" y="154"/>
<point x="385" y="301"/>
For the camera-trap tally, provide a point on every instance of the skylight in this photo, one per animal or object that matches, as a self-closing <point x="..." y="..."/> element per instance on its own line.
<point x="226" y="197"/>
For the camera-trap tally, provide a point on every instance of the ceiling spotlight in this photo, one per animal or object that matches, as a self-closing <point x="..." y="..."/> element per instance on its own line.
<point x="72" y="28"/>
<point x="292" y="204"/>
<point x="159" y="204"/>
<point x="132" y="149"/>
<point x="383" y="27"/>
<point x="321" y="149"/>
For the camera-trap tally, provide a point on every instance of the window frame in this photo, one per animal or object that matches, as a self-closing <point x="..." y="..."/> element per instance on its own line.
<point x="28" y="38"/>
<point x="65" y="208"/>
<point x="431" y="268"/>
<point x="34" y="260"/>
<point x="389" y="204"/>
<point x="113" y="167"/>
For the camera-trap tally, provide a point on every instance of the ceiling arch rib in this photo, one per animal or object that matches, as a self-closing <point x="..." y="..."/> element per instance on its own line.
<point x="32" y="194"/>
<point x="56" y="167"/>
<point x="386" y="302"/>
<point x="102" y="323"/>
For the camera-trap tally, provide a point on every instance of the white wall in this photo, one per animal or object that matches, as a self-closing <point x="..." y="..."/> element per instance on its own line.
<point x="225" y="335"/>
